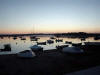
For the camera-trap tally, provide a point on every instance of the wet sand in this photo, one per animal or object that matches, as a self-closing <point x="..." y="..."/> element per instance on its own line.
<point x="51" y="62"/>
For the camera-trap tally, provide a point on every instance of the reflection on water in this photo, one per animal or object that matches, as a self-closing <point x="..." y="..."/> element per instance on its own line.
<point x="21" y="45"/>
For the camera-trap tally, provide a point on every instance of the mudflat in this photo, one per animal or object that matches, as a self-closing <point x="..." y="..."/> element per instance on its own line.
<point x="50" y="62"/>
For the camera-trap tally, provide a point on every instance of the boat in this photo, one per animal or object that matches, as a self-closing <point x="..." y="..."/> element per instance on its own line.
<point x="91" y="47"/>
<point x="32" y="37"/>
<point x="76" y="44"/>
<point x="83" y="39"/>
<point x="7" y="47"/>
<point x="52" y="38"/>
<point x="41" y="43"/>
<point x="92" y="43"/>
<point x="36" y="48"/>
<point x="23" y="38"/>
<point x="20" y="36"/>
<point x="72" y="50"/>
<point x="50" y="41"/>
<point x="1" y="37"/>
<point x="61" y="47"/>
<point x="68" y="42"/>
<point x="14" y="38"/>
<point x="97" y="38"/>
<point x="26" y="54"/>
<point x="59" y="40"/>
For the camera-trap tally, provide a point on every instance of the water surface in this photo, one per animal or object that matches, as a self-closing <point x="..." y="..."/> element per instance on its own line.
<point x="21" y="45"/>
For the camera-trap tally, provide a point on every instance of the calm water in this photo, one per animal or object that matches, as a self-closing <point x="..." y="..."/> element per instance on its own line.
<point x="21" y="45"/>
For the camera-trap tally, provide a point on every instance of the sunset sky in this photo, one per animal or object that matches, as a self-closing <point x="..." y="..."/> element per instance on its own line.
<point x="49" y="16"/>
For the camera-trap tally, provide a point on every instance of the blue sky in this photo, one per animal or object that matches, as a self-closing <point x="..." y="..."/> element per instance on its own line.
<point x="22" y="16"/>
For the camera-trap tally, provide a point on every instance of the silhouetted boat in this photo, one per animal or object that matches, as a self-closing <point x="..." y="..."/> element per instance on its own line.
<point x="76" y="44"/>
<point x="36" y="48"/>
<point x="83" y="39"/>
<point x="23" y="38"/>
<point x="59" y="40"/>
<point x="41" y="43"/>
<point x="68" y="42"/>
<point x="50" y="41"/>
<point x="1" y="37"/>
<point x="20" y="36"/>
<point x="97" y="38"/>
<point x="52" y="38"/>
<point x="32" y="37"/>
<point x="92" y="43"/>
<point x="72" y="50"/>
<point x="14" y="38"/>
<point x="7" y="47"/>
<point x="61" y="47"/>
<point x="91" y="47"/>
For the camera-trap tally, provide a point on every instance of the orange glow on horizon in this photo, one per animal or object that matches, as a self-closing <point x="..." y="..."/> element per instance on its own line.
<point x="44" y="31"/>
<point x="56" y="28"/>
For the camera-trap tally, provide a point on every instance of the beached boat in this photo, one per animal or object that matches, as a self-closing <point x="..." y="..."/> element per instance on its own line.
<point x="36" y="48"/>
<point x="26" y="54"/>
<point x="76" y="44"/>
<point x="97" y="38"/>
<point x="91" y="47"/>
<point x="72" y="50"/>
<point x="92" y="43"/>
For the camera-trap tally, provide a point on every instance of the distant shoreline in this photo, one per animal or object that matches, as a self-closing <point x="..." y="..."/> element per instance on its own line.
<point x="60" y="34"/>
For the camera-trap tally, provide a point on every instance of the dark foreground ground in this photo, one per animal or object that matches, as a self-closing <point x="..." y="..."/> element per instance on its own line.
<point x="49" y="63"/>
